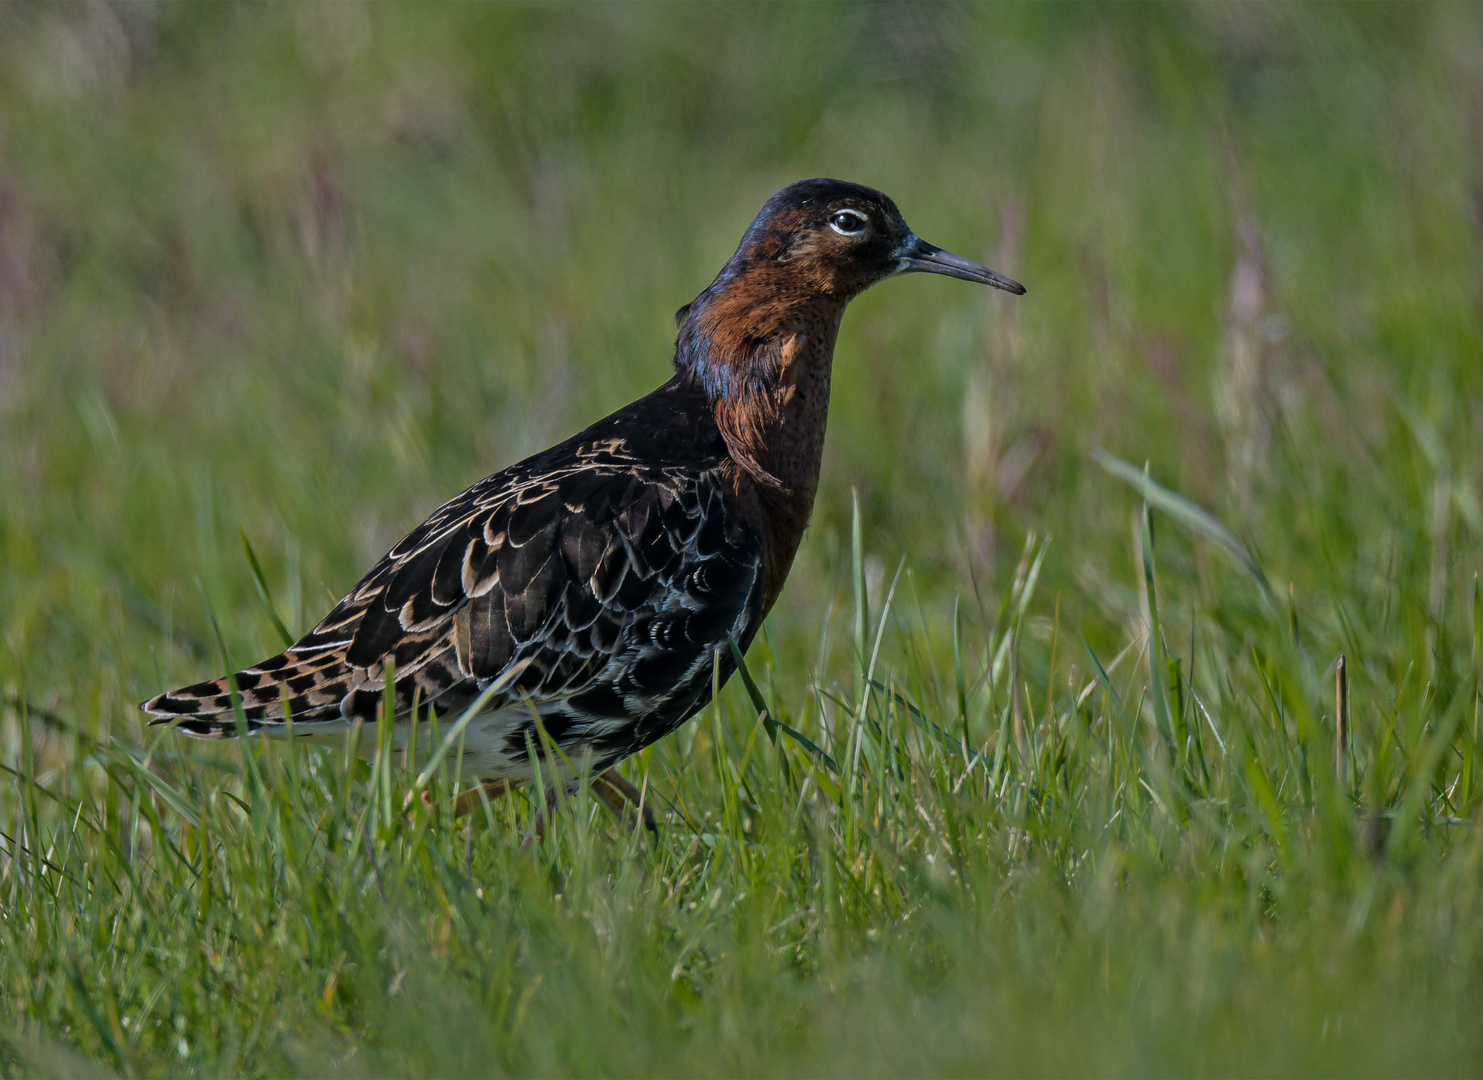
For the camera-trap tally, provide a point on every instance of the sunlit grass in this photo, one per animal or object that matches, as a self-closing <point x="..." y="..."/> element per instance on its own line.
<point x="969" y="871"/>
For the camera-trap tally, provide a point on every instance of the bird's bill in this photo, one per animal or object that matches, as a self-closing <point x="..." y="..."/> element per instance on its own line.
<point x="919" y="257"/>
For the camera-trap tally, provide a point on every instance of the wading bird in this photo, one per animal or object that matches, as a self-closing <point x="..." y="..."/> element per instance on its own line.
<point x="599" y="585"/>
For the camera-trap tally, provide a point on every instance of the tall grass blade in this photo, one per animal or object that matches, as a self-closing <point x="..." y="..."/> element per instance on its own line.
<point x="1188" y="514"/>
<point x="1158" y="674"/>
<point x="261" y="581"/>
<point x="455" y="732"/>
<point x="172" y="797"/>
<point x="857" y="577"/>
<point x="774" y="725"/>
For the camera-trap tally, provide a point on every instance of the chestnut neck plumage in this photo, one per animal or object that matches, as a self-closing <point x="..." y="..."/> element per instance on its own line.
<point x="759" y="343"/>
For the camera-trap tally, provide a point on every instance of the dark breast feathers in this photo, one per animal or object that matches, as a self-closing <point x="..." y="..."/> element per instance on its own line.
<point x="611" y="567"/>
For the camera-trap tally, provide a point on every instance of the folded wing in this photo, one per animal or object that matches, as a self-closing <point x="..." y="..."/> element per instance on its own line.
<point x="613" y="583"/>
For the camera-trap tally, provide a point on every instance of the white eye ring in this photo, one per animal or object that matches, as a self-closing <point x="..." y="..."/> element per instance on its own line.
<point x="848" y="222"/>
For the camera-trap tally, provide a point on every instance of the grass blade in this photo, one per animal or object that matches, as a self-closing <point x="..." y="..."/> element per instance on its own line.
<point x="455" y="732"/>
<point x="774" y="725"/>
<point x="261" y="581"/>
<point x="1191" y="516"/>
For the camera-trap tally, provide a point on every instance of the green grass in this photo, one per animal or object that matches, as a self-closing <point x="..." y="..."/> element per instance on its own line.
<point x="300" y="273"/>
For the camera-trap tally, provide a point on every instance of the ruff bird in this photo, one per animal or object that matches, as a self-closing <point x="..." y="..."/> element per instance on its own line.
<point x="600" y="584"/>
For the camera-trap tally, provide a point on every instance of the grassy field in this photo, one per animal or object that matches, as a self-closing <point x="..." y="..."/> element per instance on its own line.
<point x="290" y="276"/>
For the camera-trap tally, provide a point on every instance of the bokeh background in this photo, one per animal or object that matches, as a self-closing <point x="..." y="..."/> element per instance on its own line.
<point x="301" y="272"/>
<point x="308" y="270"/>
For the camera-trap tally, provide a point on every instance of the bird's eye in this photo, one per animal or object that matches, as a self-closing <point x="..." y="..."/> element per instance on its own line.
<point x="848" y="222"/>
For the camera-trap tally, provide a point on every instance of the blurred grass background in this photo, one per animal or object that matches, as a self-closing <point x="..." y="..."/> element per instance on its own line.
<point x="308" y="270"/>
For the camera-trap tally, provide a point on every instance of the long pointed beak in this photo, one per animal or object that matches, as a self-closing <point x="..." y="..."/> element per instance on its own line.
<point x="917" y="256"/>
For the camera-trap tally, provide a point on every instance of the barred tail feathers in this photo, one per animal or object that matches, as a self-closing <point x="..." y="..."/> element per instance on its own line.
<point x="319" y="690"/>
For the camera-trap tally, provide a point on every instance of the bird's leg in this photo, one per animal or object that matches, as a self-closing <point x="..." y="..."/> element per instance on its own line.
<point x="612" y="788"/>
<point x="495" y="789"/>
<point x="537" y="832"/>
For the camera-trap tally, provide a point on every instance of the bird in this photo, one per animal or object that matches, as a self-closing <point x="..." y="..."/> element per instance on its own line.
<point x="603" y="587"/>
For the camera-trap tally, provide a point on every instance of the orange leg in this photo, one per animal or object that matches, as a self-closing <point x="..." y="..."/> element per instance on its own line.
<point x="495" y="789"/>
<point x="613" y="789"/>
<point x="544" y="814"/>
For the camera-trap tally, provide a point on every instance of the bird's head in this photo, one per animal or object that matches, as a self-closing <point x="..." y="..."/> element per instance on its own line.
<point x="816" y="245"/>
<point x="836" y="239"/>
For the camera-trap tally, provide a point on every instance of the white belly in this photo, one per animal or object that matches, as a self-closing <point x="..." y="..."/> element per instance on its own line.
<point x="481" y="752"/>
